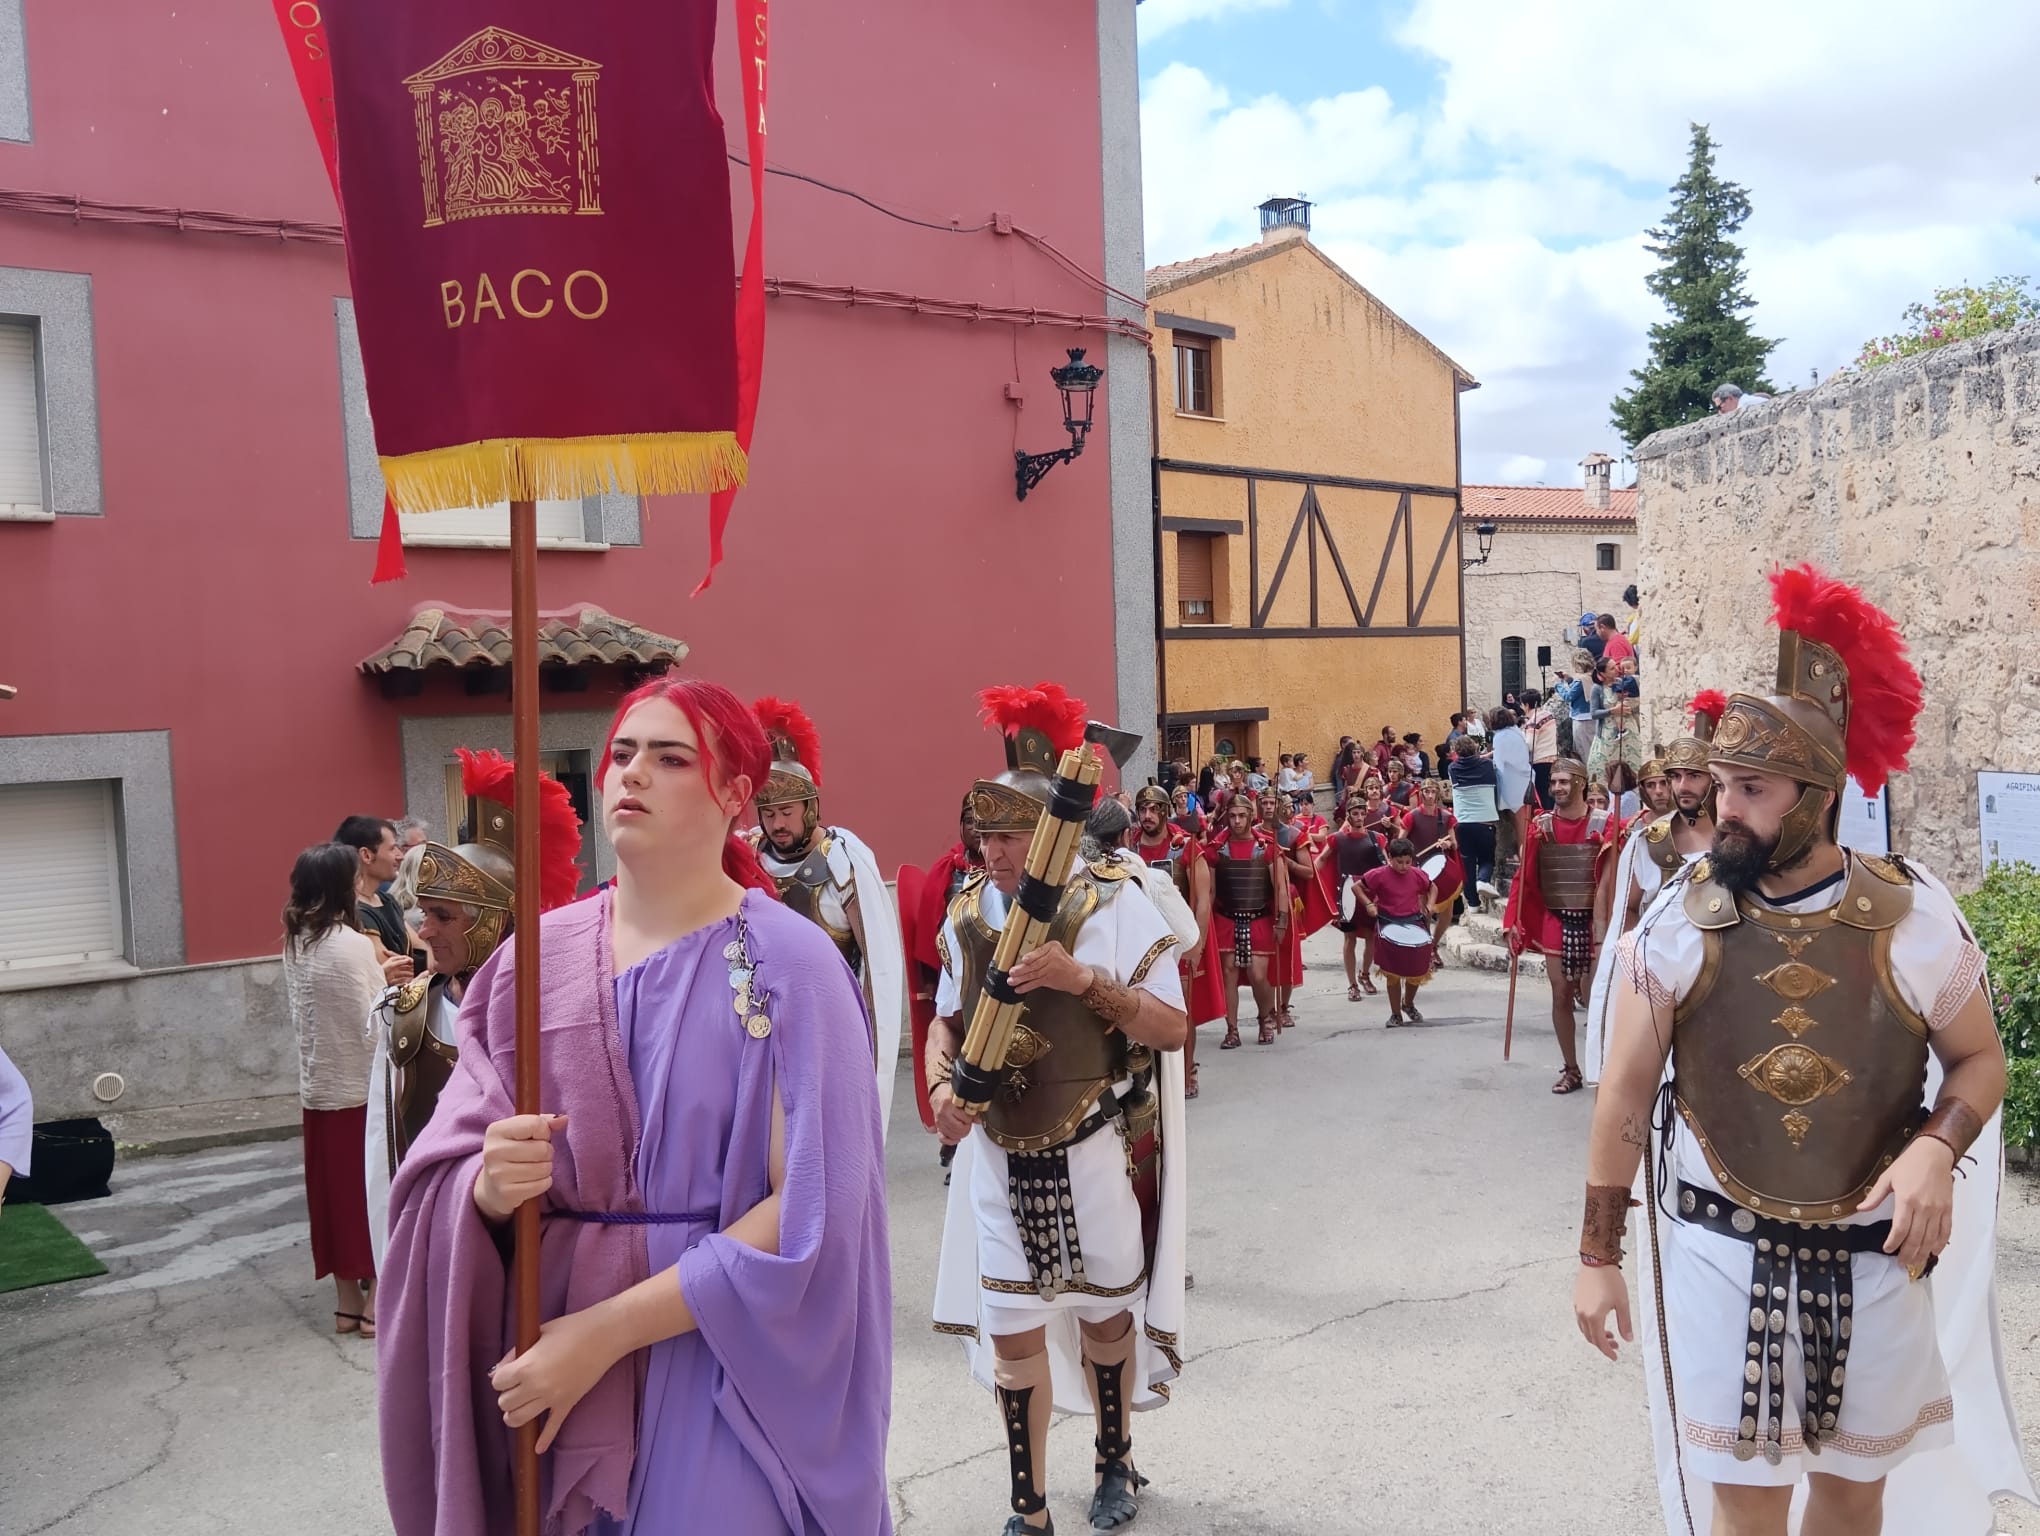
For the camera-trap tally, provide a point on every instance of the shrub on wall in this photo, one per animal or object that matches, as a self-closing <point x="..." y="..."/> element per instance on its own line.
<point x="2005" y="912"/>
<point x="1955" y="314"/>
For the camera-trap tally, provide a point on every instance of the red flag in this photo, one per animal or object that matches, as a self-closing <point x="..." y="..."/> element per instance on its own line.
<point x="536" y="201"/>
<point x="304" y="36"/>
<point x="752" y="29"/>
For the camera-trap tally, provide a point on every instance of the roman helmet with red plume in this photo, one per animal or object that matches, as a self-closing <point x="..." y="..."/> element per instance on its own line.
<point x="1845" y="706"/>
<point x="796" y="773"/>
<point x="1039" y="724"/>
<point x="1703" y="714"/>
<point x="481" y="873"/>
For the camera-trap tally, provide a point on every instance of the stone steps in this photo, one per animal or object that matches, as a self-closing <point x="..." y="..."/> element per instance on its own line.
<point x="1476" y="943"/>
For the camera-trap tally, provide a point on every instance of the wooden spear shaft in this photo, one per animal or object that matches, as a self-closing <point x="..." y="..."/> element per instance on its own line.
<point x="524" y="935"/>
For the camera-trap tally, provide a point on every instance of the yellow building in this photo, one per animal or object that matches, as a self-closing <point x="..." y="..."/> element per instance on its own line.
<point x="1307" y="485"/>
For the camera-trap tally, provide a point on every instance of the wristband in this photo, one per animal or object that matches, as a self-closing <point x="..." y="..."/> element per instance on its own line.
<point x="1954" y="1124"/>
<point x="1607" y="1215"/>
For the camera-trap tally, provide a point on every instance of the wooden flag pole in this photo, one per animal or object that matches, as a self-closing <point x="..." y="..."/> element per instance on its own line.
<point x="524" y="935"/>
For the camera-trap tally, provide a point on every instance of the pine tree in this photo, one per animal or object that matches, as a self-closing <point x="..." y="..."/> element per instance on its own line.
<point x="1706" y="341"/>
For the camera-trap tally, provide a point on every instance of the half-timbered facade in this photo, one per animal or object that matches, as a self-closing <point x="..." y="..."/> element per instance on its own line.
<point x="1307" y="497"/>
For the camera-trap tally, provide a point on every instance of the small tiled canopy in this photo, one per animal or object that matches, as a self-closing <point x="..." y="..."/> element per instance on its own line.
<point x="579" y="636"/>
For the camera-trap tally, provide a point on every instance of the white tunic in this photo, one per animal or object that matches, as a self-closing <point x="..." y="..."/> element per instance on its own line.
<point x="982" y="1286"/>
<point x="1925" y="1362"/>
<point x="1634" y="870"/>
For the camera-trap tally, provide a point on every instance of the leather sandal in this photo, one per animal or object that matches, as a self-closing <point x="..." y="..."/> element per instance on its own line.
<point x="1569" y="1081"/>
<point x="1367" y="985"/>
<point x="1267" y="1029"/>
<point x="1190" y="1083"/>
<point x="1410" y="1013"/>
<point x="1231" y="1042"/>
<point x="347" y="1322"/>
<point x="1353" y="993"/>
<point x="1284" y="1019"/>
<point x="1113" y="1504"/>
<point x="1017" y="1526"/>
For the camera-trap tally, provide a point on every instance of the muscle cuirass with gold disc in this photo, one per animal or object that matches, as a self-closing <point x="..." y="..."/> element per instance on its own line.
<point x="1797" y="1063"/>
<point x="1064" y="1056"/>
<point x="1245" y="888"/>
<point x="802" y="889"/>
<point x="420" y="1065"/>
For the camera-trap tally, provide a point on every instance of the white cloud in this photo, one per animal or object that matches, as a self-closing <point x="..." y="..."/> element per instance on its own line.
<point x="1505" y="219"/>
<point x="1160" y="16"/>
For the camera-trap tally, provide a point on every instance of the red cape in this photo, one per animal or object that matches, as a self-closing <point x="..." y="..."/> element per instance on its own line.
<point x="1527" y="914"/>
<point x="924" y="907"/>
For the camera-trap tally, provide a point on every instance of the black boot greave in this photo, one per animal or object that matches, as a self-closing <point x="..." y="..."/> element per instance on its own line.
<point x="1113" y="1503"/>
<point x="1014" y="1407"/>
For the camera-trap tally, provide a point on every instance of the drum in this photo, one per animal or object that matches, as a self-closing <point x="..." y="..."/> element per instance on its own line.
<point x="1402" y="947"/>
<point x="1434" y="866"/>
<point x="1349" y="899"/>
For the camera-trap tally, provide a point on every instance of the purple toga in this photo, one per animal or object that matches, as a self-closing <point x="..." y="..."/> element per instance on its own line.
<point x="772" y="1416"/>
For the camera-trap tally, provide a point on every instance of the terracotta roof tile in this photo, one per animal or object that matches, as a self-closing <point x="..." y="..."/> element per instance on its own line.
<point x="1543" y="504"/>
<point x="578" y="636"/>
<point x="1175" y="272"/>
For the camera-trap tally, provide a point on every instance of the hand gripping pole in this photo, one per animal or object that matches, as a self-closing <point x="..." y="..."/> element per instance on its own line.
<point x="1049" y="857"/>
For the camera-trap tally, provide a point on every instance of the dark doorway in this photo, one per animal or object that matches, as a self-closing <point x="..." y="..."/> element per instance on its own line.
<point x="1512" y="665"/>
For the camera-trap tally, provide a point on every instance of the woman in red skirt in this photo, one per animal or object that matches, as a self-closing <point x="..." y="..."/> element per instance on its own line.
<point x="332" y="978"/>
<point x="1399" y="898"/>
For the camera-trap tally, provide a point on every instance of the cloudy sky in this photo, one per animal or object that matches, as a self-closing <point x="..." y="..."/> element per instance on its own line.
<point x="1488" y="168"/>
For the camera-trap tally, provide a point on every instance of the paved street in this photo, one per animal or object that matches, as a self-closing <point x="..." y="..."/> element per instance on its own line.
<point x="1378" y="1342"/>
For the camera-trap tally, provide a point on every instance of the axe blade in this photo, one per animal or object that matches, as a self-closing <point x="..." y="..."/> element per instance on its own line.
<point x="1120" y="744"/>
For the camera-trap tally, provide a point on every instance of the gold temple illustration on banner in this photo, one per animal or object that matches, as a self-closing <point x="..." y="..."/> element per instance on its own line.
<point x="506" y="125"/>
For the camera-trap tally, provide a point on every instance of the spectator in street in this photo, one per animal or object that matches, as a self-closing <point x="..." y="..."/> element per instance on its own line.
<point x="17" y="1124"/>
<point x="1285" y="774"/>
<point x="1476" y="794"/>
<point x="1515" y="779"/>
<point x="1614" y="644"/>
<point x="374" y="842"/>
<point x="1414" y="757"/>
<point x="1729" y="398"/>
<point x="1256" y="779"/>
<point x="1590" y="635"/>
<point x="1540" y="727"/>
<point x="411" y="833"/>
<point x="1384" y="749"/>
<point x="1632" y="626"/>
<point x="331" y="979"/>
<point x="1207" y="789"/>
<point x="1454" y="729"/>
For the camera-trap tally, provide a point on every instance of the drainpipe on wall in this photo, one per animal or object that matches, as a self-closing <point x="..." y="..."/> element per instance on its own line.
<point x="1155" y="517"/>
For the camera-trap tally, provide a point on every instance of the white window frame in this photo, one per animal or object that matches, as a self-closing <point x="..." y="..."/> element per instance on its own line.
<point x="561" y="525"/>
<point x="106" y="793"/>
<point x="14" y="330"/>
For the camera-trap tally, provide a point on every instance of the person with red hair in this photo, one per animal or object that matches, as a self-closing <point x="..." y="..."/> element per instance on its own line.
<point x="1832" y="1061"/>
<point x="717" y="1346"/>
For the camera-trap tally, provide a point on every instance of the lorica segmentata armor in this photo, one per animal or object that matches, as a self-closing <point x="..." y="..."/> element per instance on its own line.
<point x="1244" y="888"/>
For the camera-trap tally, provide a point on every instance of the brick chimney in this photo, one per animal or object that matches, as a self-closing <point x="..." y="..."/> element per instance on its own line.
<point x="1284" y="218"/>
<point x="1600" y="481"/>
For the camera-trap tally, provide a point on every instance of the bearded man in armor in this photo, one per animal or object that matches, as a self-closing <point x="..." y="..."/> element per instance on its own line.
<point x="1250" y="915"/>
<point x="1832" y="1060"/>
<point x="1658" y="846"/>
<point x="1062" y="1248"/>
<point x="466" y="897"/>
<point x="1551" y="904"/>
<point x="829" y="876"/>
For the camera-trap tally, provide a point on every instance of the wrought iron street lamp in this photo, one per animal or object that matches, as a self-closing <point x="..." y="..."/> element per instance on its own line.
<point x="1485" y="532"/>
<point x="1077" y="380"/>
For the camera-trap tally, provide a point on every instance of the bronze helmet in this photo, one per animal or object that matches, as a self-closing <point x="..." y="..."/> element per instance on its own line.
<point x="480" y="873"/>
<point x="794" y="777"/>
<point x="1155" y="795"/>
<point x="1015" y="800"/>
<point x="1800" y="731"/>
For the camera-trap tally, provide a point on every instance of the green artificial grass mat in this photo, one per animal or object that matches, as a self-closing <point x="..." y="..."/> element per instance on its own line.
<point x="38" y="1249"/>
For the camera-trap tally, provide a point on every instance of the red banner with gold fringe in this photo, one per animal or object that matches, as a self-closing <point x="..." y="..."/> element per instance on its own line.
<point x="536" y="200"/>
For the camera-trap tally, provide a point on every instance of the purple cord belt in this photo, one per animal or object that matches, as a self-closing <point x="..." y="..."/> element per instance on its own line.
<point x="638" y="1218"/>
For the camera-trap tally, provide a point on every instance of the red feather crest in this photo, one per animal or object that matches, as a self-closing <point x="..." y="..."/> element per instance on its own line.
<point x="490" y="775"/>
<point x="1885" y="697"/>
<point x="1045" y="707"/>
<point x="1707" y="705"/>
<point x="786" y="721"/>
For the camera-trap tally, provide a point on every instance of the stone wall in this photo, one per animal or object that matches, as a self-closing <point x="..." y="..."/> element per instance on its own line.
<point x="1536" y="584"/>
<point x="1919" y="481"/>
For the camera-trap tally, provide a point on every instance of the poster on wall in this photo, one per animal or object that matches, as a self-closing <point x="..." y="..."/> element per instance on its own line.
<point x="2008" y="812"/>
<point x="1865" y="823"/>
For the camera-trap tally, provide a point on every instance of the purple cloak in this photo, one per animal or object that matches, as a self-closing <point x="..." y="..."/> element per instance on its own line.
<point x="785" y="1389"/>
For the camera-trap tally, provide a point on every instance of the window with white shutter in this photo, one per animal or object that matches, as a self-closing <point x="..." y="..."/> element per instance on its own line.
<point x="559" y="522"/>
<point x="60" y="876"/>
<point x="21" y="469"/>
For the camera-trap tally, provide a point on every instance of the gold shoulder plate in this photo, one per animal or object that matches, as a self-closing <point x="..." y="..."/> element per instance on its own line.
<point x="1659" y="830"/>
<point x="1706" y="904"/>
<point x="1884" y="869"/>
<point x="1109" y="870"/>
<point x="412" y="993"/>
<point x="1876" y="895"/>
